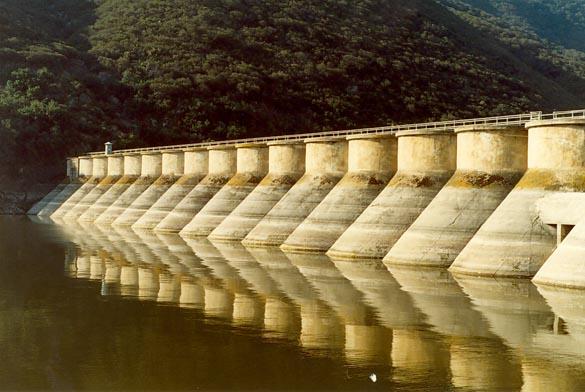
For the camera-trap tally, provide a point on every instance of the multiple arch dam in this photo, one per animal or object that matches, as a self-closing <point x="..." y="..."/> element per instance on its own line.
<point x="498" y="196"/>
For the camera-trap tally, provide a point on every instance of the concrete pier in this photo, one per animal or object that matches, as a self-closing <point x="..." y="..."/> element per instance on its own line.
<point x="150" y="170"/>
<point x="371" y="164"/>
<point x="325" y="163"/>
<point x="286" y="164"/>
<point x="99" y="168"/>
<point x="131" y="172"/>
<point x="252" y="166"/>
<point x="514" y="241"/>
<point x="72" y="174"/>
<point x="222" y="167"/>
<point x="490" y="161"/>
<point x="114" y="171"/>
<point x="426" y="161"/>
<point x="172" y="166"/>
<point x="79" y="172"/>
<point x="196" y="165"/>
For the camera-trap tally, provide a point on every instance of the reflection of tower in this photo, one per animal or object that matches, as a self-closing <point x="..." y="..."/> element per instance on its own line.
<point x="321" y="329"/>
<point x="171" y="269"/>
<point x="148" y="265"/>
<point x="220" y="285"/>
<point x="477" y="359"/>
<point x="280" y="315"/>
<point x="365" y="342"/>
<point x="192" y="293"/>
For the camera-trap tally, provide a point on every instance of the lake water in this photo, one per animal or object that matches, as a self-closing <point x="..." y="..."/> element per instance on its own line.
<point x="83" y="307"/>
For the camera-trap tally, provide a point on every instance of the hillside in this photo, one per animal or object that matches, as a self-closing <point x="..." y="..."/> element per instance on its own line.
<point x="74" y="73"/>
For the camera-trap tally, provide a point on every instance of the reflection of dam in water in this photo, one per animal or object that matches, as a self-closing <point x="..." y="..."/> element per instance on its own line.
<point x="410" y="327"/>
<point x="483" y="197"/>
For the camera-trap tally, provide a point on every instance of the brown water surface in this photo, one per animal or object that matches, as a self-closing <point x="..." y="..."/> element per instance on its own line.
<point x="83" y="307"/>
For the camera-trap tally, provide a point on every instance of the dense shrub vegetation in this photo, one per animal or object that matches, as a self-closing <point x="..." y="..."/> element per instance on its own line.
<point x="75" y="73"/>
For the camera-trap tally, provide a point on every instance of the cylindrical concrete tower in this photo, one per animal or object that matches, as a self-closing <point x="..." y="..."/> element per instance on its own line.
<point x="99" y="168"/>
<point x="171" y="170"/>
<point x="325" y="164"/>
<point x="222" y="167"/>
<point x="131" y="166"/>
<point x="114" y="171"/>
<point x="150" y="171"/>
<point x="252" y="166"/>
<point x="426" y="161"/>
<point x="514" y="241"/>
<point x="72" y="164"/>
<point x="490" y="161"/>
<point x="196" y="165"/>
<point x="286" y="163"/>
<point x="371" y="164"/>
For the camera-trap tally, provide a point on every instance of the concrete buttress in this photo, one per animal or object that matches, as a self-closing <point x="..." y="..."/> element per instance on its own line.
<point x="371" y="164"/>
<point x="514" y="241"/>
<point x="286" y="164"/>
<point x="252" y="166"/>
<point x="99" y="167"/>
<point x="172" y="166"/>
<point x="426" y="161"/>
<point x="222" y="167"/>
<point x="325" y="165"/>
<point x="196" y="167"/>
<point x="114" y="171"/>
<point x="130" y="173"/>
<point x="490" y="161"/>
<point x="150" y="170"/>
<point x="72" y="164"/>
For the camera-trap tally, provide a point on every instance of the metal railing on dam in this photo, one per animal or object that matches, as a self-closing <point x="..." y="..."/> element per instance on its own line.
<point x="515" y="119"/>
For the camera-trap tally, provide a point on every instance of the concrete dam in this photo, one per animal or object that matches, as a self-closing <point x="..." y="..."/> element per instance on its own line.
<point x="494" y="197"/>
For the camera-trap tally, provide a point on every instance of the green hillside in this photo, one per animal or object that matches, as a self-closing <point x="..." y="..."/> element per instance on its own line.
<point x="74" y="73"/>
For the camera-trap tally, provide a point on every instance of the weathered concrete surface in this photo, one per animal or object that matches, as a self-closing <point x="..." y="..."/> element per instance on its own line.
<point x="371" y="164"/>
<point x="514" y="241"/>
<point x="150" y="170"/>
<point x="131" y="172"/>
<point x="566" y="266"/>
<point x="72" y="168"/>
<point x="78" y="174"/>
<point x="252" y="166"/>
<point x="490" y="161"/>
<point x="196" y="165"/>
<point x="325" y="163"/>
<point x="286" y="164"/>
<point x="99" y="167"/>
<point x="114" y="171"/>
<point x="171" y="170"/>
<point x="222" y="167"/>
<point x="425" y="162"/>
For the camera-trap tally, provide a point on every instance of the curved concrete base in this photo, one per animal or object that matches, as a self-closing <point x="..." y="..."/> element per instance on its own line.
<point x="125" y="199"/>
<point x="145" y="200"/>
<point x="514" y="241"/>
<point x="338" y="210"/>
<point x="168" y="201"/>
<point x="76" y="197"/>
<point x="566" y="266"/>
<point x="253" y="208"/>
<point x="91" y="198"/>
<point x="63" y="196"/>
<point x="199" y="196"/>
<point x="48" y="197"/>
<point x="221" y="205"/>
<point x="384" y="221"/>
<point x="451" y="219"/>
<point x="107" y="199"/>
<point x="291" y="210"/>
